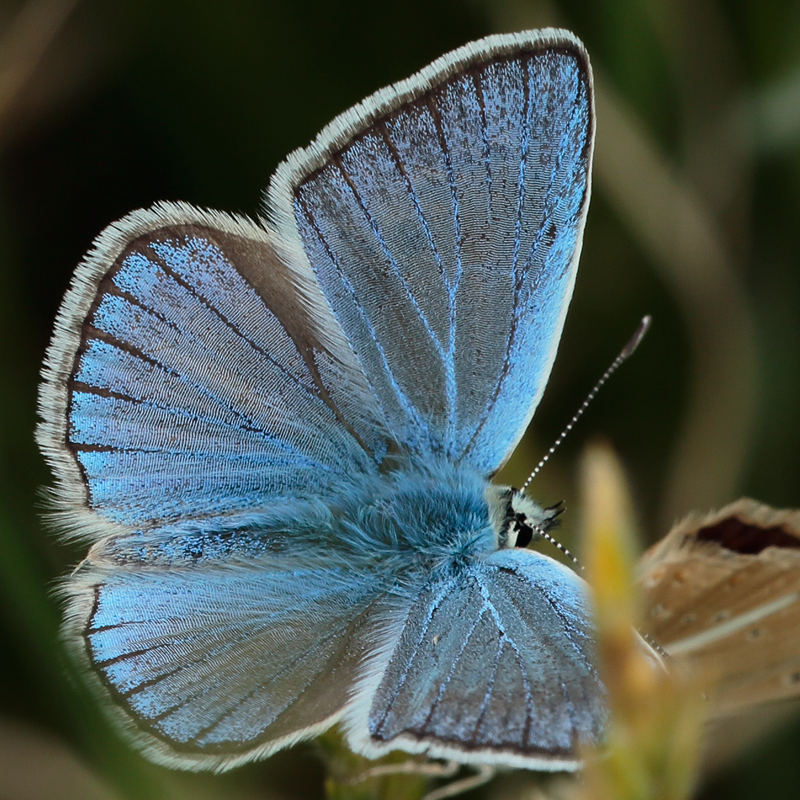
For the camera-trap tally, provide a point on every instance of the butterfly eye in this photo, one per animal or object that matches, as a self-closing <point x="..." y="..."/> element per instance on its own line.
<point x="524" y="532"/>
<point x="525" y="521"/>
<point x="518" y="532"/>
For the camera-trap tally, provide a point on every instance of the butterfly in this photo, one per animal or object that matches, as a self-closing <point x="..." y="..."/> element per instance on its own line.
<point x="278" y="436"/>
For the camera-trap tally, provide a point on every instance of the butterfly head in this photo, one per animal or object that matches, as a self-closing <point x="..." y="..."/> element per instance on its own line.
<point x="517" y="519"/>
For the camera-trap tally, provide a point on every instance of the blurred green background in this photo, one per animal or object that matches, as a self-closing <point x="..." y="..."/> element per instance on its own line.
<point x="109" y="105"/>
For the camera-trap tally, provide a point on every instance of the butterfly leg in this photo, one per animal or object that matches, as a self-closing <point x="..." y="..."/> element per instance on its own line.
<point x="485" y="772"/>
<point x="432" y="769"/>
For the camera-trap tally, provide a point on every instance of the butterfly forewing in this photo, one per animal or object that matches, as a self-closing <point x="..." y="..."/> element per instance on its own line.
<point x="444" y="225"/>
<point x="190" y="387"/>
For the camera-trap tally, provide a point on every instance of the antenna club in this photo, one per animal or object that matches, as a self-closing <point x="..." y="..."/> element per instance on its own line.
<point x="637" y="337"/>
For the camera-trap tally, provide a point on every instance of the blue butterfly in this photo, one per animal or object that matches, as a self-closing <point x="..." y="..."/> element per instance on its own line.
<point x="278" y="436"/>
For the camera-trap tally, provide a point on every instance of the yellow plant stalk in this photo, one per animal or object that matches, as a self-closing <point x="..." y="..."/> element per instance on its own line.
<point x="653" y="744"/>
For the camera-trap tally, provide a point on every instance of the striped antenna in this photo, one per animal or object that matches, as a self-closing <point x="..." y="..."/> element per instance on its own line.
<point x="627" y="351"/>
<point x="656" y="646"/>
<point x="548" y="538"/>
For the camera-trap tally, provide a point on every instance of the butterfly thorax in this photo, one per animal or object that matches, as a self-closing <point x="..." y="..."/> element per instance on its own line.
<point x="440" y="516"/>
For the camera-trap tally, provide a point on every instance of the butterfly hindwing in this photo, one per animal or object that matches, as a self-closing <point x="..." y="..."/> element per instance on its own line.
<point x="443" y="218"/>
<point x="206" y="664"/>
<point x="494" y="665"/>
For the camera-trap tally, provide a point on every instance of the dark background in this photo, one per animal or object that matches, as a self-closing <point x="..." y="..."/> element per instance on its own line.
<point x="694" y="219"/>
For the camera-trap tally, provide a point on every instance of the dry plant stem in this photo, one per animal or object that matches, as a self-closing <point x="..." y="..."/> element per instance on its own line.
<point x="24" y="43"/>
<point x="707" y="72"/>
<point x="672" y="226"/>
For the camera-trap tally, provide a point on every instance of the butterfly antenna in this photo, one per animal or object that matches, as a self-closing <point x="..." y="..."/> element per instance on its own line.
<point x="626" y="352"/>
<point x="656" y="646"/>
<point x="548" y="538"/>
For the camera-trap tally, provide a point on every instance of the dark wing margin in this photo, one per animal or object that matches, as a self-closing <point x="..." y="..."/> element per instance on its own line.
<point x="443" y="218"/>
<point x="186" y="379"/>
